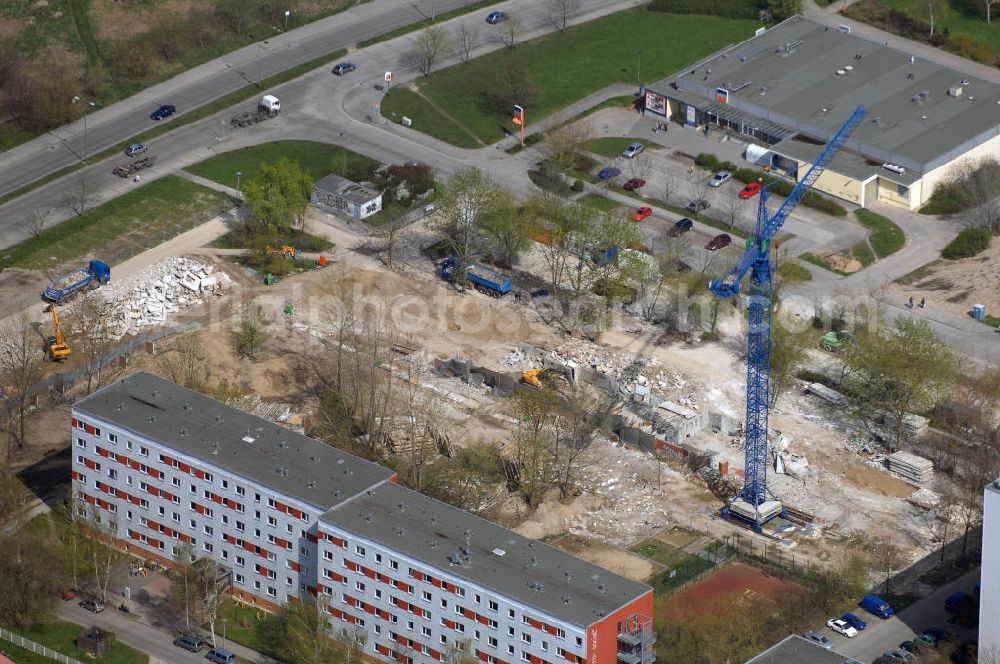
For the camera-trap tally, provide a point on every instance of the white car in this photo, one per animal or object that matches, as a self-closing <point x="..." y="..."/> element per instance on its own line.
<point x="633" y="150"/>
<point x="841" y="627"/>
<point x="720" y="178"/>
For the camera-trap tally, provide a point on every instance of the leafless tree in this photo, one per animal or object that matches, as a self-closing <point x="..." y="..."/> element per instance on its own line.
<point x="510" y="31"/>
<point x="468" y="198"/>
<point x="640" y="166"/>
<point x="979" y="180"/>
<point x="586" y="411"/>
<point x="934" y="12"/>
<point x="698" y="187"/>
<point x="733" y="208"/>
<point x="432" y="42"/>
<point x="560" y="12"/>
<point x="886" y="558"/>
<point x="35" y="222"/>
<point x="988" y="6"/>
<point x="103" y="529"/>
<point x="20" y="369"/>
<point x="564" y="143"/>
<point x="467" y="37"/>
<point x="95" y="338"/>
<point x="668" y="185"/>
<point x="352" y="641"/>
<point x="78" y="195"/>
<point x="386" y="240"/>
<point x="186" y="361"/>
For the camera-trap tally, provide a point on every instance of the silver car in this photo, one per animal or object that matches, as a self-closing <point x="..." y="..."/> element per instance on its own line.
<point x="633" y="150"/>
<point x="136" y="149"/>
<point x="720" y="178"/>
<point x="819" y="640"/>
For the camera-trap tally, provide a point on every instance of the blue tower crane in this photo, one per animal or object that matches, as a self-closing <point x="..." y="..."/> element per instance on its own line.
<point x="753" y="504"/>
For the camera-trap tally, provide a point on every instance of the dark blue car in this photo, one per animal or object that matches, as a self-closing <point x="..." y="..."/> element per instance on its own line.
<point x="854" y="621"/>
<point x="497" y="17"/>
<point x="609" y="173"/>
<point x="163" y="112"/>
<point x="681" y="227"/>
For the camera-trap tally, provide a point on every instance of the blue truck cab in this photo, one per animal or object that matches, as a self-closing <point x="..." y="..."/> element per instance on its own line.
<point x="95" y="274"/>
<point x="876" y="606"/>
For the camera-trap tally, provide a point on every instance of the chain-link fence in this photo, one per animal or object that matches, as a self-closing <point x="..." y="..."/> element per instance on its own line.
<point x="36" y="648"/>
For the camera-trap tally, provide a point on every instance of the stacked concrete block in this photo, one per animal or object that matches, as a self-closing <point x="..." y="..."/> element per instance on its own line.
<point x="910" y="466"/>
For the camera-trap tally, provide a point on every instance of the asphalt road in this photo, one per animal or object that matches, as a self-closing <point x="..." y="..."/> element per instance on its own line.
<point x="109" y="126"/>
<point x="883" y="635"/>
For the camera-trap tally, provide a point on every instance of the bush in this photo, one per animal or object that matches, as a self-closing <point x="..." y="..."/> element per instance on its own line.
<point x="578" y="186"/>
<point x="813" y="377"/>
<point x="969" y="242"/>
<point x="706" y="161"/>
<point x="728" y="8"/>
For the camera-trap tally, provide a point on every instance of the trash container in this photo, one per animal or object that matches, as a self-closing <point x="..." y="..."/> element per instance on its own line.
<point x="322" y="260"/>
<point x="979" y="311"/>
<point x="268" y="279"/>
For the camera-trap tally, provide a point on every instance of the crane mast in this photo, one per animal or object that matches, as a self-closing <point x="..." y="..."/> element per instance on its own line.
<point x="756" y="504"/>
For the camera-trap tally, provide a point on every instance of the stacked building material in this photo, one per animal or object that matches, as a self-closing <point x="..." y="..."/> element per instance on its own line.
<point x="911" y="467"/>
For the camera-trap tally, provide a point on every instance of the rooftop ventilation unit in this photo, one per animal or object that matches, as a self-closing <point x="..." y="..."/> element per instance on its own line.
<point x="215" y="448"/>
<point x="841" y="72"/>
<point x="499" y="552"/>
<point x="956" y="90"/>
<point x="248" y="439"/>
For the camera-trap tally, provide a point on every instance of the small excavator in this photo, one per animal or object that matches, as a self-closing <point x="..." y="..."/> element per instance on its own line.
<point x="533" y="377"/>
<point x="56" y="347"/>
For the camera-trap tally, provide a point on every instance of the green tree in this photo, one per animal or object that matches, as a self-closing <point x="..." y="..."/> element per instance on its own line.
<point x="277" y="199"/>
<point x="782" y="9"/>
<point x="788" y="350"/>
<point x="901" y="369"/>
<point x="507" y="231"/>
<point x="470" y="196"/>
<point x="251" y="335"/>
<point x="932" y="12"/>
<point x="300" y="631"/>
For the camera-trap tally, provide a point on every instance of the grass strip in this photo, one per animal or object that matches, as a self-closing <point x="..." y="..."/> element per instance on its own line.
<point x="819" y="261"/>
<point x="599" y="202"/>
<point x="863" y="253"/>
<point x="315" y="159"/>
<point x="420" y="25"/>
<point x="793" y="273"/>
<point x="60" y="636"/>
<point x="887" y="238"/>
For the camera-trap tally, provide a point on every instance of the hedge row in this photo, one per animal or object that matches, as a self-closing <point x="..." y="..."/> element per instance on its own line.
<point x="779" y="186"/>
<point x="969" y="242"/>
<point x="728" y="8"/>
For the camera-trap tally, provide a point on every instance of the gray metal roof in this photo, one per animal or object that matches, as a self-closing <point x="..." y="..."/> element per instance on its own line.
<point x="528" y="571"/>
<point x="797" y="650"/>
<point x="201" y="427"/>
<point x="789" y="76"/>
<point x="850" y="164"/>
<point x="356" y="193"/>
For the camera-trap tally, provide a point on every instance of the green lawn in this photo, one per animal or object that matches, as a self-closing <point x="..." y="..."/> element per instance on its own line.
<point x="863" y="253"/>
<point x="402" y="102"/>
<point x="243" y="627"/>
<point x="793" y="273"/>
<point x="810" y="257"/>
<point x="600" y="202"/>
<point x="959" y="23"/>
<point x="60" y="635"/>
<point x="887" y="238"/>
<point x="420" y="25"/>
<point x="144" y="217"/>
<point x="316" y="159"/>
<point x="599" y="59"/>
<point x="613" y="146"/>
<point x="661" y="552"/>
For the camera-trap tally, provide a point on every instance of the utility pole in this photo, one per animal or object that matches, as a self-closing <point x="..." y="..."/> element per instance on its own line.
<point x="638" y="67"/>
<point x="86" y="112"/>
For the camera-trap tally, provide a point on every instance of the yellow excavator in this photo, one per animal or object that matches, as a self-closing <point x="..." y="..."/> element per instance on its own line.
<point x="56" y="346"/>
<point x="531" y="377"/>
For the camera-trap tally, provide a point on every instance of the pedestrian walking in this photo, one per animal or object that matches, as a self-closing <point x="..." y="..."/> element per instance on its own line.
<point x="911" y="303"/>
<point x="923" y="301"/>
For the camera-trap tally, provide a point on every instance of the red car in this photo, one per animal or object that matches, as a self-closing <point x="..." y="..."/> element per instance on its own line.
<point x="633" y="184"/>
<point x="68" y="594"/>
<point x="642" y="213"/>
<point x="751" y="190"/>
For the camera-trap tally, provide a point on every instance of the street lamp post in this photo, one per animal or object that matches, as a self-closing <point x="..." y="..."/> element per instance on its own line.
<point x="238" y="174"/>
<point x="260" y="52"/>
<point x="224" y="621"/>
<point x="86" y="111"/>
<point x="287" y="14"/>
<point x="638" y="67"/>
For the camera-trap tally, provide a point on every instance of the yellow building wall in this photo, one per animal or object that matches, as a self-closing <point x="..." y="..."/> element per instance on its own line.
<point x="888" y="192"/>
<point x="836" y="184"/>
<point x="990" y="148"/>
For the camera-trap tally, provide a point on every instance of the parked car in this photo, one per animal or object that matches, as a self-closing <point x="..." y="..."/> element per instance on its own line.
<point x="220" y="656"/>
<point x="633" y="150"/>
<point x="876" y="606"/>
<point x="720" y="241"/>
<point x="163" y="112"/>
<point x="191" y="643"/>
<point x="342" y="68"/>
<point x="698" y="205"/>
<point x="720" y="179"/>
<point x="93" y="604"/>
<point x="609" y="173"/>
<point x="894" y="656"/>
<point x="937" y="634"/>
<point x="841" y="627"/>
<point x="642" y="213"/>
<point x="633" y="184"/>
<point x="68" y="594"/>
<point x="751" y="190"/>
<point x="136" y="148"/>
<point x="915" y="646"/>
<point x="497" y="17"/>
<point x="854" y="621"/>
<point x="681" y="227"/>
<point x="819" y="640"/>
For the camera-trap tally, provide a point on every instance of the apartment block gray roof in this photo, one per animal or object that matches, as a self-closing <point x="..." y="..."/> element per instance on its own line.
<point x="809" y="78"/>
<point x="796" y="650"/>
<point x="245" y="445"/>
<point x="349" y="190"/>
<point x="480" y="552"/>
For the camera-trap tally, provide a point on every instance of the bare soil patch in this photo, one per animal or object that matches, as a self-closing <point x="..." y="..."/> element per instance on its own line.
<point x="955" y="286"/>
<point x="614" y="560"/>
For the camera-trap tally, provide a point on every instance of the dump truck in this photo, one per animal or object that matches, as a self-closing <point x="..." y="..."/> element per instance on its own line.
<point x="484" y="279"/>
<point x="65" y="288"/>
<point x="268" y="106"/>
<point x="134" y="166"/>
<point x="55" y="346"/>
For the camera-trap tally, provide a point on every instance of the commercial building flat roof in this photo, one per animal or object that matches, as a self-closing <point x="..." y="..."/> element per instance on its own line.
<point x="809" y="78"/>
<point x="796" y="650"/>
<point x="525" y="570"/>
<point x="356" y="193"/>
<point x="243" y="444"/>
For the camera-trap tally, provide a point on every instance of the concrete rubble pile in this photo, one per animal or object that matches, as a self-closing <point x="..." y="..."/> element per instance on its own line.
<point x="911" y="467"/>
<point x="925" y="498"/>
<point x="149" y="297"/>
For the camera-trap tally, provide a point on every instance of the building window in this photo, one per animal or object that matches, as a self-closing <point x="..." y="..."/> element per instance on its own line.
<point x="225" y="484"/>
<point x="271" y="521"/>
<point x="426" y="631"/>
<point x="225" y="520"/>
<point x="240" y="578"/>
<point x="241" y="561"/>
<point x="256" y="585"/>
<point x="160" y="510"/>
<point x="378" y="558"/>
<point x="193" y="524"/>
<point x="510" y="613"/>
<point x="525" y="637"/>
<point x="112" y="473"/>
<point x="207" y="547"/>
<point x="207" y="529"/>
<point x="359" y="586"/>
<point x="128" y="445"/>
<point x="444" y="604"/>
<point x="426" y="595"/>
<point x="493" y="605"/>
<point x="176" y="517"/>
<point x="80" y="442"/>
<point x="208" y="477"/>
<point x="360" y="550"/>
<point x="175" y="481"/>
<point x="112" y="438"/>
<point x="193" y="489"/>
<point x="288" y="581"/>
<point x="240" y="491"/>
<point x="579" y="642"/>
<point x="143" y="451"/>
<point x="393" y="565"/>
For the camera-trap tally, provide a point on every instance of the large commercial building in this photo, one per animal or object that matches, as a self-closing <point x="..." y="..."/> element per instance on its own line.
<point x="161" y="468"/>
<point x="789" y="88"/>
<point x="989" y="590"/>
<point x="795" y="649"/>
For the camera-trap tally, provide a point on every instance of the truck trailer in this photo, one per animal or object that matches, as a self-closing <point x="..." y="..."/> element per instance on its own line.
<point x="268" y="106"/>
<point x="484" y="279"/>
